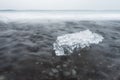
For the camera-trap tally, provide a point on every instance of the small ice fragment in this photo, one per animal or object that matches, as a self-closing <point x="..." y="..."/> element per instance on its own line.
<point x="79" y="40"/>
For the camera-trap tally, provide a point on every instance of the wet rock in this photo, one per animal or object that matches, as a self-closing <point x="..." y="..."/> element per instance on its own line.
<point x="74" y="72"/>
<point x="66" y="73"/>
<point x="58" y="66"/>
<point x="64" y="65"/>
<point x="51" y="74"/>
<point x="2" y="77"/>
<point x="37" y="63"/>
<point x="55" y="70"/>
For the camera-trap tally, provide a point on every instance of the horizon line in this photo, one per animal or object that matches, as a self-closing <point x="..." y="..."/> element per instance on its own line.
<point x="52" y="10"/>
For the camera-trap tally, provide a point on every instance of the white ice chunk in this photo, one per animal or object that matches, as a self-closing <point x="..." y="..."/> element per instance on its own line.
<point x="79" y="40"/>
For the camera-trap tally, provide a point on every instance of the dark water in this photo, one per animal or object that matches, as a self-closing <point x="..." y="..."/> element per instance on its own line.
<point x="26" y="51"/>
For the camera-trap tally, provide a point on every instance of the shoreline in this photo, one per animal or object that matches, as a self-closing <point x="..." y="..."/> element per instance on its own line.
<point x="26" y="51"/>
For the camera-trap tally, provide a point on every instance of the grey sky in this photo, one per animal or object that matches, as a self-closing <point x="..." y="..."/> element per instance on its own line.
<point x="61" y="4"/>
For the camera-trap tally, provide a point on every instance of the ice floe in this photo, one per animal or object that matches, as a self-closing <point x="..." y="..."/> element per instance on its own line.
<point x="78" y="40"/>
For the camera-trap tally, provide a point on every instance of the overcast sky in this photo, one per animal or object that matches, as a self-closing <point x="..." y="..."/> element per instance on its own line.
<point x="60" y="4"/>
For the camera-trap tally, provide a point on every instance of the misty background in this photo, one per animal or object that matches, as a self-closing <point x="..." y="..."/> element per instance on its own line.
<point x="60" y="4"/>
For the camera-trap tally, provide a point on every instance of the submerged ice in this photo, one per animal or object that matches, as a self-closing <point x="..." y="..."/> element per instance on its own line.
<point x="67" y="43"/>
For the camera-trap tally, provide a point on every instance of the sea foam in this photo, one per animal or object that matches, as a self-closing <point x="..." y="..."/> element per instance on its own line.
<point x="37" y="16"/>
<point x="79" y="40"/>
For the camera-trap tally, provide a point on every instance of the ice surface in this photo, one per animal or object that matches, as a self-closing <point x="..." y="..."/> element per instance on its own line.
<point x="79" y="40"/>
